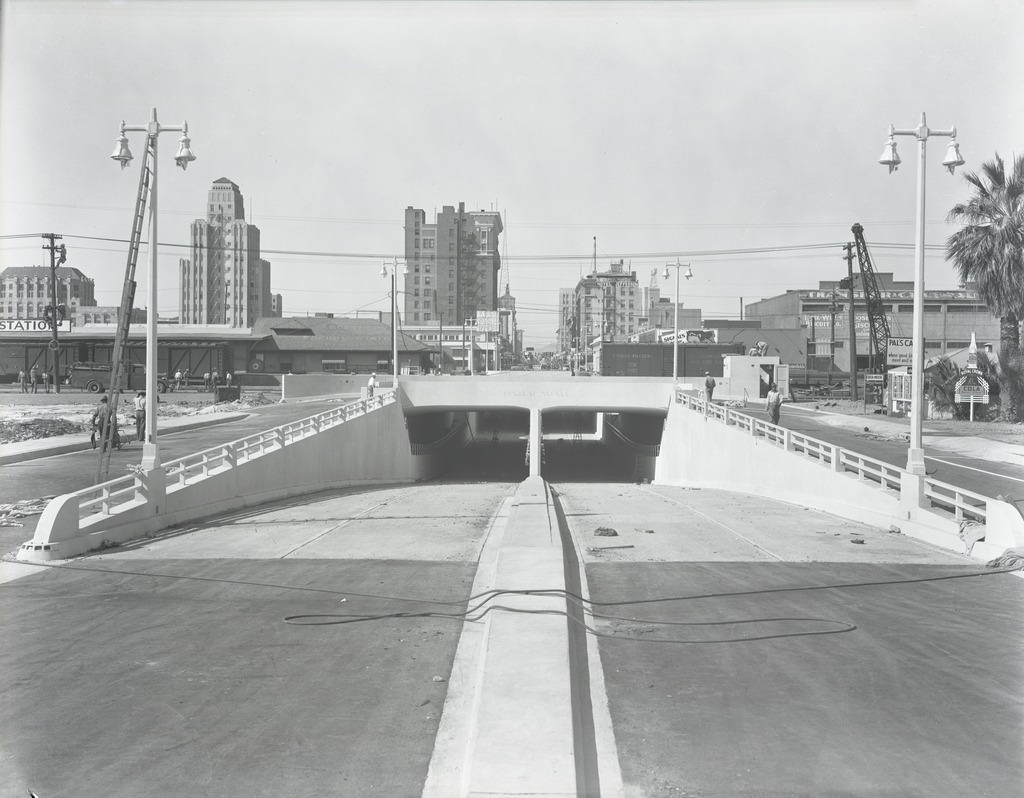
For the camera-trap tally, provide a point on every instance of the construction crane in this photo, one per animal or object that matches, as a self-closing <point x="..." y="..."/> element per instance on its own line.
<point x="877" y="319"/>
<point x="108" y="432"/>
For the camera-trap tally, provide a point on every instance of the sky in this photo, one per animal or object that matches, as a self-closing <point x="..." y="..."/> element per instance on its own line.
<point x="739" y="137"/>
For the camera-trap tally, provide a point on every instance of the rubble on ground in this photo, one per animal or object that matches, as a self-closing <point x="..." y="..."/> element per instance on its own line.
<point x="10" y="513"/>
<point x="34" y="429"/>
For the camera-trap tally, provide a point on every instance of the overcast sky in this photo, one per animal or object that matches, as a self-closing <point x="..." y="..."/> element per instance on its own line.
<point x="666" y="130"/>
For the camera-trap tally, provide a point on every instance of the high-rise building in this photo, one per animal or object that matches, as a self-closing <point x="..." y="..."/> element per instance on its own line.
<point x="225" y="281"/>
<point x="452" y="264"/>
<point x="25" y="291"/>
<point x="606" y="306"/>
<point x="565" y="333"/>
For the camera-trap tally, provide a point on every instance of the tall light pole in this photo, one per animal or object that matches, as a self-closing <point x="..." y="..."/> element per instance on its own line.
<point x="394" y="318"/>
<point x="890" y="158"/>
<point x="675" y="338"/>
<point x="184" y="156"/>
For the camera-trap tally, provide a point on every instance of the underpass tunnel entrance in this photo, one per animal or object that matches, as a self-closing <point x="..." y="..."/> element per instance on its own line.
<point x="474" y="445"/>
<point x="575" y="445"/>
<point x="592" y="446"/>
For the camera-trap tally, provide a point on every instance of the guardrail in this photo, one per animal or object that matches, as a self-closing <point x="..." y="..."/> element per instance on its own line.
<point x="108" y="498"/>
<point x="961" y="505"/>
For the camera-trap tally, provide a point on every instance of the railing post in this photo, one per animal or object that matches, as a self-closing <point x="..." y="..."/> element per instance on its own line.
<point x="279" y="437"/>
<point x="787" y="440"/>
<point x="834" y="454"/>
<point x="230" y="455"/>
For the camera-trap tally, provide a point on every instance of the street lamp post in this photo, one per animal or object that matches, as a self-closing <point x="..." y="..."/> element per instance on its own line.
<point x="890" y="158"/>
<point x="675" y="337"/>
<point x="394" y="319"/>
<point x="184" y="156"/>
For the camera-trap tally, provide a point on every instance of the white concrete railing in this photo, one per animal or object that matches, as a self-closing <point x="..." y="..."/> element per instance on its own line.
<point x="962" y="505"/>
<point x="109" y="497"/>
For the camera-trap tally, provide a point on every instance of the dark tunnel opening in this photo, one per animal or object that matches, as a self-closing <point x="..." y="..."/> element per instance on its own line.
<point x="578" y="446"/>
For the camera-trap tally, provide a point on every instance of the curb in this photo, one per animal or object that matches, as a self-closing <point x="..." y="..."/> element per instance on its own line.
<point x="67" y="447"/>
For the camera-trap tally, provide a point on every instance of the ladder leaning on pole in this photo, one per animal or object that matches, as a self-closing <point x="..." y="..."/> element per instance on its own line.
<point x="118" y="367"/>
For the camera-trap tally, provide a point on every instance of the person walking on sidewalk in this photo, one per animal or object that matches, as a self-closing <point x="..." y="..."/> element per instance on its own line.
<point x="709" y="385"/>
<point x="33" y="377"/>
<point x="140" y="416"/>
<point x="773" y="403"/>
<point x="46" y="382"/>
<point x="371" y="385"/>
<point x="23" y="380"/>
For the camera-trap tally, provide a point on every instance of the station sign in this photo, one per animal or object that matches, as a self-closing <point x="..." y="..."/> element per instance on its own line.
<point x="900" y="352"/>
<point x="35" y="326"/>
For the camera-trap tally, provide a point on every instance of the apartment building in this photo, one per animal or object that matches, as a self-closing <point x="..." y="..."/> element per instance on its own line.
<point x="25" y="291"/>
<point x="452" y="264"/>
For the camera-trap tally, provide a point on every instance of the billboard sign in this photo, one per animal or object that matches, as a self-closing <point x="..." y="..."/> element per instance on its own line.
<point x="691" y="337"/>
<point x="900" y="352"/>
<point x="487" y="320"/>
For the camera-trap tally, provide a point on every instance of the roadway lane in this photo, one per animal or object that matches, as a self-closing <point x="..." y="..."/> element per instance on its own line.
<point x="750" y="648"/>
<point x="984" y="476"/>
<point x="192" y="664"/>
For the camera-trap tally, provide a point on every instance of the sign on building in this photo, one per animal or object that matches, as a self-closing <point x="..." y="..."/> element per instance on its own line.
<point x="32" y="326"/>
<point x="900" y="352"/>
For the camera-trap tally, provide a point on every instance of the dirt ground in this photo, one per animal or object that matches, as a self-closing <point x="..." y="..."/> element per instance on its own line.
<point x="993" y="430"/>
<point x="25" y="417"/>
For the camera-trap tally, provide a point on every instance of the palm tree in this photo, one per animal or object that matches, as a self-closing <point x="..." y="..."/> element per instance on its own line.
<point x="989" y="251"/>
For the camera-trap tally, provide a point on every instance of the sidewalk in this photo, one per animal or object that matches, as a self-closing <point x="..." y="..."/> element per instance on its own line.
<point x="899" y="429"/>
<point x="62" y="444"/>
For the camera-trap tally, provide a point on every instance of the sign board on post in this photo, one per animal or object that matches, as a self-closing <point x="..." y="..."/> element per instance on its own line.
<point x="971" y="387"/>
<point x="900" y="352"/>
<point x="487" y="320"/>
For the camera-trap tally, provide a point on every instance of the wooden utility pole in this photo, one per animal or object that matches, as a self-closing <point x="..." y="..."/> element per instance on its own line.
<point x="853" y="322"/>
<point x="56" y="312"/>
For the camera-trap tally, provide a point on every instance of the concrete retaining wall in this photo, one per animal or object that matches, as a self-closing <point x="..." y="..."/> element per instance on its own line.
<point x="703" y="452"/>
<point x="371" y="449"/>
<point x="310" y="386"/>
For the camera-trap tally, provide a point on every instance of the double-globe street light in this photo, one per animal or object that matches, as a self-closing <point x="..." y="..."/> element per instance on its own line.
<point x="890" y="158"/>
<point x="675" y="337"/>
<point x="184" y="156"/>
